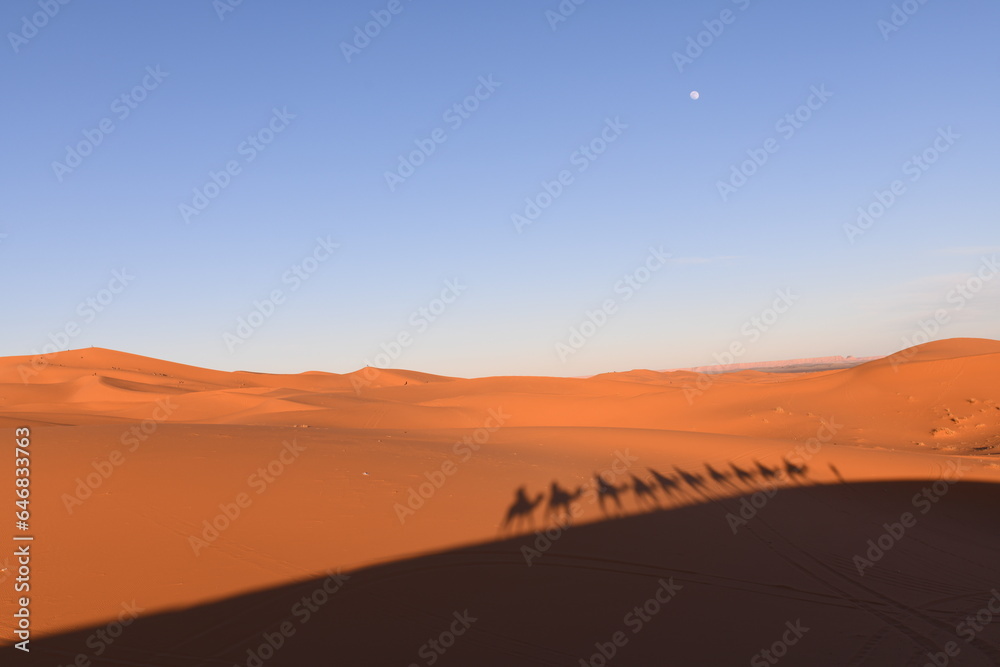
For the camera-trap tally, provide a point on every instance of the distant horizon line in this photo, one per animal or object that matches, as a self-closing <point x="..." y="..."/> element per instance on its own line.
<point x="777" y="364"/>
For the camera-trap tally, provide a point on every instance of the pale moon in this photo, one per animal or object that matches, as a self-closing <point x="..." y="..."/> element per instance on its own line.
<point x="695" y="94"/>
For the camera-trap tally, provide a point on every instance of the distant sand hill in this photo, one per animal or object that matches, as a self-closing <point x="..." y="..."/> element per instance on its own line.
<point x="788" y="366"/>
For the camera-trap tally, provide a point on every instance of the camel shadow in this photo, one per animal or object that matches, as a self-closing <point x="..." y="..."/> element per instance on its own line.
<point x="560" y="505"/>
<point x="770" y="475"/>
<point x="645" y="495"/>
<point x="694" y="482"/>
<point x="522" y="511"/>
<point x="685" y="486"/>
<point x="745" y="477"/>
<point x="721" y="479"/>
<point x="669" y="485"/>
<point x="606" y="491"/>
<point x="796" y="473"/>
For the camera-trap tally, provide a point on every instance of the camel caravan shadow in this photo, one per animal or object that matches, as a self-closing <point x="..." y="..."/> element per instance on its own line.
<point x="649" y="490"/>
<point x="671" y="588"/>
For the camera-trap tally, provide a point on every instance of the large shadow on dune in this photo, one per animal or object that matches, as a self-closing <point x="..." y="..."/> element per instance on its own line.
<point x="688" y="586"/>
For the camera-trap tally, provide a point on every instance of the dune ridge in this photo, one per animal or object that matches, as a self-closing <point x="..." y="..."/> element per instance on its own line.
<point x="97" y="386"/>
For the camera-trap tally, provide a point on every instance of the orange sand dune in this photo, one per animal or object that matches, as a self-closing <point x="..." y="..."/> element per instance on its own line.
<point x="909" y="400"/>
<point x="135" y="459"/>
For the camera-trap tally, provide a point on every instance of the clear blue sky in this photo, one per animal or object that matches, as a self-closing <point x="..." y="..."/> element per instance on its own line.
<point x="555" y="86"/>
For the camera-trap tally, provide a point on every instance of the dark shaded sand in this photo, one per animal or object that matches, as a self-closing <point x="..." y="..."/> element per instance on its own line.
<point x="730" y="595"/>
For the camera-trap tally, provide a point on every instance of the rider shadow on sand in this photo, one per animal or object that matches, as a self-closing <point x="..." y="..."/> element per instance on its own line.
<point x="745" y="477"/>
<point x="645" y="495"/>
<point x="669" y="485"/>
<point x="695" y="482"/>
<point x="559" y="508"/>
<point x="522" y="511"/>
<point x="785" y="473"/>
<point x="796" y="473"/>
<point x="721" y="479"/>
<point x="607" y="491"/>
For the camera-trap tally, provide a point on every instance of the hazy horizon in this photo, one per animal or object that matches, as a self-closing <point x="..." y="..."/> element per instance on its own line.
<point x="720" y="362"/>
